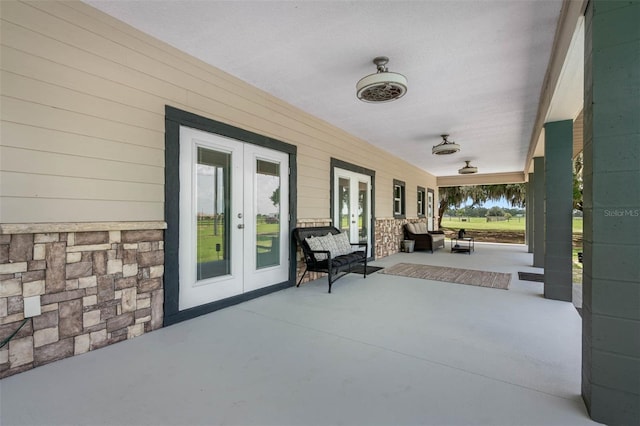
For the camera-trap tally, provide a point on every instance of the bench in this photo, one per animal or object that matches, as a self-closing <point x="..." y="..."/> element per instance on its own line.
<point x="424" y="240"/>
<point x="336" y="261"/>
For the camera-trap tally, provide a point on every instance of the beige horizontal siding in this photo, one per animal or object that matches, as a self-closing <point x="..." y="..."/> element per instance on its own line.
<point x="314" y="186"/>
<point x="53" y="141"/>
<point x="42" y="69"/>
<point x="83" y="98"/>
<point x="482" y="179"/>
<point x="14" y="184"/>
<point x="36" y="210"/>
<point x="578" y="134"/>
<point x="28" y="113"/>
<point x="53" y="164"/>
<point x="306" y="210"/>
<point x="42" y="46"/>
<point x="28" y="89"/>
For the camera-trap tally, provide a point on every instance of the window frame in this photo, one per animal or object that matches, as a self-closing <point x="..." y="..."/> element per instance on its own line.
<point x="431" y="209"/>
<point x="421" y="202"/>
<point x="400" y="201"/>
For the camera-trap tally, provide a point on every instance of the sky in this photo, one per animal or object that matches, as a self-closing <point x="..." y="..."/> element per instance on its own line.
<point x="206" y="189"/>
<point x="502" y="203"/>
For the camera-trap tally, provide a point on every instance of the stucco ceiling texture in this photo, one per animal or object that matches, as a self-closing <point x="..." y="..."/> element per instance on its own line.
<point x="475" y="68"/>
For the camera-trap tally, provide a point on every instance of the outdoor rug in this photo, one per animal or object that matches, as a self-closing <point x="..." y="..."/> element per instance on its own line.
<point x="359" y="269"/>
<point x="451" y="275"/>
<point x="531" y="276"/>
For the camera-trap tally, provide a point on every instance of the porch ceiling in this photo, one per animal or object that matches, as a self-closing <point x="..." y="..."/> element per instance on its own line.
<point x="475" y="69"/>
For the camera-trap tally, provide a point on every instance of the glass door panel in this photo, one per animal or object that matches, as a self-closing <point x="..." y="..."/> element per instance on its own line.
<point x="210" y="247"/>
<point x="363" y="211"/>
<point x="430" y="210"/>
<point x="352" y="205"/>
<point x="234" y="223"/>
<point x="267" y="224"/>
<point x="344" y="204"/>
<point x="212" y="215"/>
<point x="266" y="206"/>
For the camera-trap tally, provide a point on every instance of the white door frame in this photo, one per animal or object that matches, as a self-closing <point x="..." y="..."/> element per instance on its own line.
<point x="355" y="178"/>
<point x="254" y="277"/>
<point x="243" y="275"/>
<point x="430" y="209"/>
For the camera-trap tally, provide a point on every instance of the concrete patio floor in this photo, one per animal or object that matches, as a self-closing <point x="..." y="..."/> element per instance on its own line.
<point x="382" y="351"/>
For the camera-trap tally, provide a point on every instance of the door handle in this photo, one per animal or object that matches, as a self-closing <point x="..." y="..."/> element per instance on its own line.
<point x="241" y="226"/>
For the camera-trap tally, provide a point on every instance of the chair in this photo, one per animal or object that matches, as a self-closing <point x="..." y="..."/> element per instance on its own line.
<point x="424" y="240"/>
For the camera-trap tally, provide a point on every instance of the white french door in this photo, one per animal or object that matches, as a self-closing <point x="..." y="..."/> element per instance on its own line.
<point x="234" y="218"/>
<point x="352" y="205"/>
<point x="430" y="210"/>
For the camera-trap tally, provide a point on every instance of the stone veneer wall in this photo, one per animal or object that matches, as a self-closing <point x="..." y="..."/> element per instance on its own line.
<point x="96" y="288"/>
<point x="389" y="234"/>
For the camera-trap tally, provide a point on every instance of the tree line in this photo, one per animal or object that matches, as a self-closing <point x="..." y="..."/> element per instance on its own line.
<point x="454" y="196"/>
<point x="476" y="211"/>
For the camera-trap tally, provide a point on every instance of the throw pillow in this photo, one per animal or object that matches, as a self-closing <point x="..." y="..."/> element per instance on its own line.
<point x="329" y="243"/>
<point x="411" y="228"/>
<point x="343" y="243"/>
<point x="315" y="243"/>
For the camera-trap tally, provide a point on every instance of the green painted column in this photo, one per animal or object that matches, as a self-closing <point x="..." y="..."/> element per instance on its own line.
<point x="558" y="201"/>
<point x="611" y="282"/>
<point x="529" y="212"/>
<point x="538" y="212"/>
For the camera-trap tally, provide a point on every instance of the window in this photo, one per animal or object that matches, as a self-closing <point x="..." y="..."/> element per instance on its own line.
<point x="421" y="201"/>
<point x="398" y="199"/>
<point x="430" y="210"/>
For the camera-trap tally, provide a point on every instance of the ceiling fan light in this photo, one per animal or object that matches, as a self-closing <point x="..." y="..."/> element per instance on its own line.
<point x="383" y="86"/>
<point x="445" y="147"/>
<point x="468" y="169"/>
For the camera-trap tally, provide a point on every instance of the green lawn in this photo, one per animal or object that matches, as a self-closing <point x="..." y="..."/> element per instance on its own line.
<point x="480" y="223"/>
<point x="208" y="238"/>
<point x="517" y="225"/>
<point x="577" y="266"/>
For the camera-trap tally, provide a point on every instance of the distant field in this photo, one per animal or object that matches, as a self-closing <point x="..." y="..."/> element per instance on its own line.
<point x="209" y="240"/>
<point x="480" y="223"/>
<point x="512" y="231"/>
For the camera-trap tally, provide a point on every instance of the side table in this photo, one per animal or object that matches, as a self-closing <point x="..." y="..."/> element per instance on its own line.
<point x="462" y="245"/>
